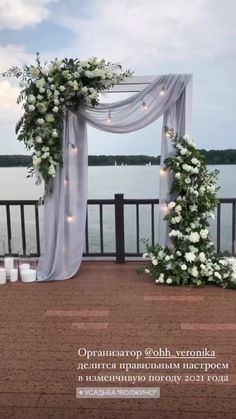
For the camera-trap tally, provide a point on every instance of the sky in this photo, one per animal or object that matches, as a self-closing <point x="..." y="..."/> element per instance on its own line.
<point x="150" y="37"/>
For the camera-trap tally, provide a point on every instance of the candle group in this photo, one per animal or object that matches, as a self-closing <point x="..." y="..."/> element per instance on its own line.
<point x="8" y="271"/>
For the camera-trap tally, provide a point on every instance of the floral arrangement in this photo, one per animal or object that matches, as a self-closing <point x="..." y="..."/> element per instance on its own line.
<point x="191" y="257"/>
<point x="46" y="90"/>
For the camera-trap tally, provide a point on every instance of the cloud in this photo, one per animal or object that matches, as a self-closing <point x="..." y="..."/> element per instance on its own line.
<point x="9" y="110"/>
<point x="140" y="33"/>
<point x="17" y="14"/>
<point x="13" y="55"/>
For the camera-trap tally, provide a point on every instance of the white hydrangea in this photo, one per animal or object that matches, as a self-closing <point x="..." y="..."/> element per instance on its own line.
<point x="202" y="257"/>
<point x="195" y="161"/>
<point x="194" y="272"/>
<point x="186" y="167"/>
<point x="194" y="237"/>
<point x="190" y="257"/>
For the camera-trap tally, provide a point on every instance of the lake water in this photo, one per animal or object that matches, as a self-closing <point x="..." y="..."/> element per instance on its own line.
<point x="104" y="182"/>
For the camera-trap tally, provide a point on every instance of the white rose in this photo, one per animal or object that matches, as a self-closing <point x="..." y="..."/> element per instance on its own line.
<point x="187" y="180"/>
<point x="183" y="151"/>
<point x="31" y="99"/>
<point x="178" y="208"/>
<point x="56" y="102"/>
<point x="40" y="83"/>
<point x="54" y="133"/>
<point x="195" y="161"/>
<point x="161" y="280"/>
<point x="49" y="117"/>
<point x="178" y="253"/>
<point x="52" y="87"/>
<point x="147" y="271"/>
<point x="40" y="121"/>
<point x="145" y="255"/>
<point x="186" y="167"/>
<point x="169" y="281"/>
<point x="38" y="139"/>
<point x="154" y="262"/>
<point x="183" y="267"/>
<point x="161" y="254"/>
<point x="55" y="109"/>
<point x="31" y="108"/>
<point x="42" y="90"/>
<point x="218" y="275"/>
<point x="194" y="272"/>
<point x="84" y="90"/>
<point x="171" y="205"/>
<point x="62" y="88"/>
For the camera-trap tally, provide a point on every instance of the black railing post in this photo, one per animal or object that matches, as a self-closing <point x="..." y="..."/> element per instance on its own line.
<point x="119" y="224"/>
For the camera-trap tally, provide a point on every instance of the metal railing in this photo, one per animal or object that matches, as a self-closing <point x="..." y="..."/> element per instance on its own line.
<point x="118" y="205"/>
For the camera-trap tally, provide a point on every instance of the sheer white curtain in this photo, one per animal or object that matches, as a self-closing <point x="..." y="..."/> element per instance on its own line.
<point x="65" y="209"/>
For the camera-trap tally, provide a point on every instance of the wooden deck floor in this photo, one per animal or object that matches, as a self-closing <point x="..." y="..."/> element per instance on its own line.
<point x="109" y="306"/>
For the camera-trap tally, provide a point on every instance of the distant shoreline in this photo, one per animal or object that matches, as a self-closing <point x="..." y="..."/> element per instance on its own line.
<point x="212" y="157"/>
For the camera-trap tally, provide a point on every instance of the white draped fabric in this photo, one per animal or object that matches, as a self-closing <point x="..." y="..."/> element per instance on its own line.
<point x="65" y="209"/>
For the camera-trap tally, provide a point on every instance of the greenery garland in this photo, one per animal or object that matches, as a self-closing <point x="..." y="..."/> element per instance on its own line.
<point x="46" y="90"/>
<point x="191" y="257"/>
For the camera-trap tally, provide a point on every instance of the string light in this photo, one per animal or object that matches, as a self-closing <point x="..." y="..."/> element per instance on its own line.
<point x="66" y="181"/>
<point x="145" y="107"/>
<point x="75" y="148"/>
<point x="109" y="117"/>
<point x="69" y="218"/>
<point x="164" y="208"/>
<point x="163" y="91"/>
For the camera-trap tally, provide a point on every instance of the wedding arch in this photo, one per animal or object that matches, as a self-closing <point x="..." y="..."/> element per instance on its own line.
<point x="65" y="208"/>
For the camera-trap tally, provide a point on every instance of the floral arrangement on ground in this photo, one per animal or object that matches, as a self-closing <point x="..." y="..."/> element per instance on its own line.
<point x="190" y="258"/>
<point x="49" y="88"/>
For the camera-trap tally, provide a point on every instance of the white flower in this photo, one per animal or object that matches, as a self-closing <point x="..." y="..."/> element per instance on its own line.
<point x="194" y="272"/>
<point x="30" y="142"/>
<point x="34" y="71"/>
<point x="154" y="261"/>
<point x="31" y="99"/>
<point x="204" y="233"/>
<point x="52" y="171"/>
<point x="39" y="97"/>
<point x="161" y="254"/>
<point x="195" y="161"/>
<point x="190" y="257"/>
<point x="195" y="170"/>
<point x="202" y="257"/>
<point x="88" y="74"/>
<point x="40" y="121"/>
<point x="62" y="88"/>
<point x="217" y="275"/>
<point x="175" y="233"/>
<point x="183" y="151"/>
<point x="177" y="175"/>
<point x="46" y="155"/>
<point x="31" y="108"/>
<point x="178" y="208"/>
<point x="178" y="253"/>
<point x="169" y="281"/>
<point x="167" y="258"/>
<point x="178" y="219"/>
<point x="183" y="267"/>
<point x="202" y="189"/>
<point x="186" y="167"/>
<point x="193" y="207"/>
<point x="55" y="109"/>
<point x="56" y="102"/>
<point x="52" y="87"/>
<point x="38" y="139"/>
<point x="145" y="255"/>
<point x="50" y="79"/>
<point x="49" y="117"/>
<point x="194" y="237"/>
<point x="40" y="83"/>
<point x="187" y="180"/>
<point x="161" y="280"/>
<point x="147" y="271"/>
<point x="36" y="161"/>
<point x="41" y="90"/>
<point x="84" y="90"/>
<point x="54" y="133"/>
<point x="171" y="205"/>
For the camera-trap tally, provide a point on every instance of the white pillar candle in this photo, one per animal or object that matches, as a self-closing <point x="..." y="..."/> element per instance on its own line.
<point x="13" y="275"/>
<point x="3" y="276"/>
<point x="28" y="275"/>
<point x="8" y="265"/>
<point x="24" y="266"/>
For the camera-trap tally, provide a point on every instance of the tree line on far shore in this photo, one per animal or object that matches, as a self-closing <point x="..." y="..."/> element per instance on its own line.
<point x="211" y="157"/>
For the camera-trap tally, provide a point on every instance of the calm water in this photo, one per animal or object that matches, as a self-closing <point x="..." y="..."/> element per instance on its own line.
<point x="104" y="182"/>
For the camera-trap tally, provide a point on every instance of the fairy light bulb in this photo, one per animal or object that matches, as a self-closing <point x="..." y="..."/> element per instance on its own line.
<point x="109" y="117"/>
<point x="69" y="218"/>
<point x="66" y="181"/>
<point x="164" y="208"/>
<point x="145" y="107"/>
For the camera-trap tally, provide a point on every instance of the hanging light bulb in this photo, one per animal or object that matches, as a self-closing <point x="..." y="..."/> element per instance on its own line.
<point x="69" y="218"/>
<point x="109" y="117"/>
<point x="66" y="181"/>
<point x="164" y="208"/>
<point x="145" y="107"/>
<point x="162" y="91"/>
